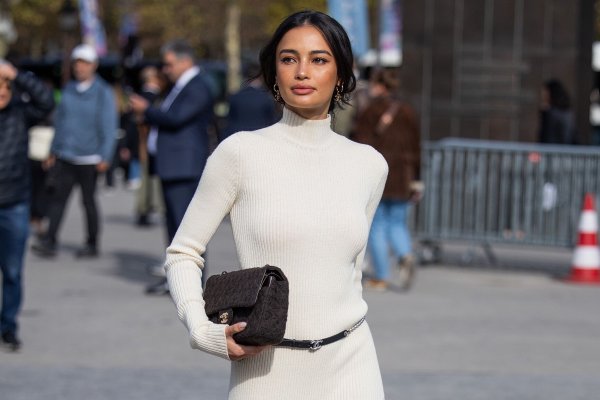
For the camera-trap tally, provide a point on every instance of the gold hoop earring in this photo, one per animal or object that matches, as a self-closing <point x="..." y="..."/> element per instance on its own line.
<point x="338" y="93"/>
<point x="276" y="95"/>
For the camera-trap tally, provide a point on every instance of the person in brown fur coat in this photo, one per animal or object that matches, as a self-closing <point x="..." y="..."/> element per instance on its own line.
<point x="391" y="127"/>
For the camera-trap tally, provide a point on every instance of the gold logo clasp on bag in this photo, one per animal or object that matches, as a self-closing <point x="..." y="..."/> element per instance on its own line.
<point x="224" y="317"/>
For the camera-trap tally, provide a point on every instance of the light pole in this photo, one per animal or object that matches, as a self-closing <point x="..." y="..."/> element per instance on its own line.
<point x="67" y="22"/>
<point x="232" y="46"/>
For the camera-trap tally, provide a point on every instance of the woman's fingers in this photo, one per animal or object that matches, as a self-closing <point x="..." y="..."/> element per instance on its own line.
<point x="237" y="351"/>
<point x="235" y="328"/>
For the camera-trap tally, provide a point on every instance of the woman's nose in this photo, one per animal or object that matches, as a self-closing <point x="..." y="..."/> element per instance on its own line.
<point x="301" y="71"/>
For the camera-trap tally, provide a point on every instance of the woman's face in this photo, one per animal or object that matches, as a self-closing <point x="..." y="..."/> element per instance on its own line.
<point x="306" y="72"/>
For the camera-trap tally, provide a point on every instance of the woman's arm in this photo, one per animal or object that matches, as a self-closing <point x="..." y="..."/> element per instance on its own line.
<point x="213" y="200"/>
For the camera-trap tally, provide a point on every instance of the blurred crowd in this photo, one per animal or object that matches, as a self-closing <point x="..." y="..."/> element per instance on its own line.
<point x="153" y="136"/>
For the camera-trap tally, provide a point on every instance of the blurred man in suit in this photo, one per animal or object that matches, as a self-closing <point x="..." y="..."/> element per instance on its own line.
<point x="178" y="135"/>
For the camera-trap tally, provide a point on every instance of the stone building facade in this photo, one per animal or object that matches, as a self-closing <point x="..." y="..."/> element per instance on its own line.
<point x="474" y="68"/>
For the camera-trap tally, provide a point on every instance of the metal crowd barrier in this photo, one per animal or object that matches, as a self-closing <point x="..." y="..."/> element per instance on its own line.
<point x="487" y="192"/>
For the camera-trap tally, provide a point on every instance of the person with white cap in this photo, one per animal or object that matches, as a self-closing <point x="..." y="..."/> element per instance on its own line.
<point x="86" y="125"/>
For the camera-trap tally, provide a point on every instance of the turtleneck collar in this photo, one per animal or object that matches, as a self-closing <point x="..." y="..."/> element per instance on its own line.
<point x="305" y="132"/>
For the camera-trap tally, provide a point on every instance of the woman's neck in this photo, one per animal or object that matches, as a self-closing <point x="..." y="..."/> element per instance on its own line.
<point x="305" y="132"/>
<point x="309" y="114"/>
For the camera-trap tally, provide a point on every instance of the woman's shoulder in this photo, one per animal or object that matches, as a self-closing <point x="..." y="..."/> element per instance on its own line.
<point x="248" y="137"/>
<point x="363" y="154"/>
<point x="241" y="140"/>
<point x="359" y="149"/>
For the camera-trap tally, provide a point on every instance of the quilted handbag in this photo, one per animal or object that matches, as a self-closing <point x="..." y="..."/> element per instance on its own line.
<point x="257" y="296"/>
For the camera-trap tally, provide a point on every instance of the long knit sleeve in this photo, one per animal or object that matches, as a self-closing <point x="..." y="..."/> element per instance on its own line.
<point x="212" y="201"/>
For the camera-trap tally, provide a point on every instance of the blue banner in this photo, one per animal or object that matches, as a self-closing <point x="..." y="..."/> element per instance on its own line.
<point x="390" y="29"/>
<point x="353" y="16"/>
<point x="92" y="29"/>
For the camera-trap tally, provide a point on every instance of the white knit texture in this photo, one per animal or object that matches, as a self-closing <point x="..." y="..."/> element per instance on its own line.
<point x="301" y="198"/>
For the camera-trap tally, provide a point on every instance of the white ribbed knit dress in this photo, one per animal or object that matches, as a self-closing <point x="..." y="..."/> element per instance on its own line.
<point x="301" y="197"/>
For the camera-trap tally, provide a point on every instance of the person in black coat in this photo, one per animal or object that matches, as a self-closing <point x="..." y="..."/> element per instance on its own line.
<point x="251" y="108"/>
<point x="557" y="122"/>
<point x="179" y="132"/>
<point x="17" y="114"/>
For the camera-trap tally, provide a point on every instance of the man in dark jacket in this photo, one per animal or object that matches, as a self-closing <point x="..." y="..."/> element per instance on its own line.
<point x="179" y="133"/>
<point x="16" y="116"/>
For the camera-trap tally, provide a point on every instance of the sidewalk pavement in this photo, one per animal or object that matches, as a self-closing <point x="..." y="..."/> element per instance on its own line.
<point x="474" y="332"/>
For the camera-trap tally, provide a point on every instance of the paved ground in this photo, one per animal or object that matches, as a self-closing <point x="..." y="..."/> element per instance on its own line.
<point x="464" y="332"/>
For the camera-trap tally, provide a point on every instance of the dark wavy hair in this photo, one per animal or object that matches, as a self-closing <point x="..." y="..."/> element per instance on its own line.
<point x="335" y="36"/>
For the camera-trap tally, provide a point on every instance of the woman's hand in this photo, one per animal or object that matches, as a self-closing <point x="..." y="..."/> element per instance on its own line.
<point x="237" y="351"/>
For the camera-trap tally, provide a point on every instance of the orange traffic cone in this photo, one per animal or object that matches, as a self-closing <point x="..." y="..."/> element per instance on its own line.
<point x="586" y="259"/>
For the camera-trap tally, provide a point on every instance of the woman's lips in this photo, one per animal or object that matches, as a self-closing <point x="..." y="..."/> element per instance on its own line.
<point x="302" y="90"/>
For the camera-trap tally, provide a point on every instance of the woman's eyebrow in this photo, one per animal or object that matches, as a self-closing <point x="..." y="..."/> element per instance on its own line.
<point x="296" y="52"/>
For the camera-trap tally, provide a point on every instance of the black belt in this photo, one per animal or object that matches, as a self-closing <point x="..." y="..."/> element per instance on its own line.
<point x="317" y="344"/>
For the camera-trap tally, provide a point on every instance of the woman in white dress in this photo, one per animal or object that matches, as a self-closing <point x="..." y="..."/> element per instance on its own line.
<point x="300" y="197"/>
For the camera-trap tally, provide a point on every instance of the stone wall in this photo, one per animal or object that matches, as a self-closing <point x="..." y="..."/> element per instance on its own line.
<point x="474" y="68"/>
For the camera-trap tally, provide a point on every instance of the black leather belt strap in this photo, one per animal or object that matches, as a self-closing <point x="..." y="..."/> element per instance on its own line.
<point x="317" y="344"/>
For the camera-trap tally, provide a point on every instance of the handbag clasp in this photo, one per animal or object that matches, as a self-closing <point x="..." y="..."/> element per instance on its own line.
<point x="224" y="317"/>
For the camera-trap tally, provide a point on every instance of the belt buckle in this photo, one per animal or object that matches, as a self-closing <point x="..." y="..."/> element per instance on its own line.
<point x="315" y="344"/>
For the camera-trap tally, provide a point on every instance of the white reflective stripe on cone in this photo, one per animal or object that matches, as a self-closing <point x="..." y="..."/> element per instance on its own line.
<point x="588" y="222"/>
<point x="586" y="257"/>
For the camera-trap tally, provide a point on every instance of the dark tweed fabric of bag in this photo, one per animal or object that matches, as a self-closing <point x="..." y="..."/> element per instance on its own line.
<point x="257" y="296"/>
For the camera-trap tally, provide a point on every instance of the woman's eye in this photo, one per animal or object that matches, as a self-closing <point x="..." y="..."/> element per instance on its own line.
<point x="287" y="60"/>
<point x="320" y="60"/>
